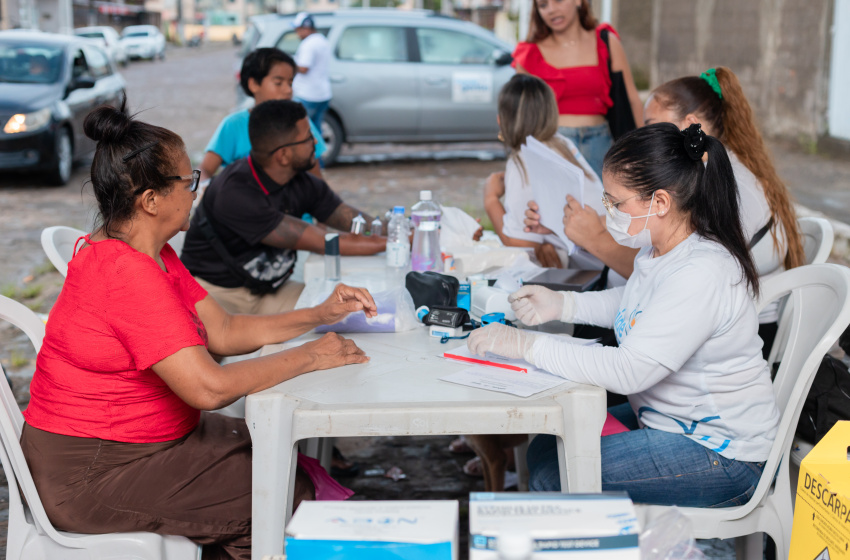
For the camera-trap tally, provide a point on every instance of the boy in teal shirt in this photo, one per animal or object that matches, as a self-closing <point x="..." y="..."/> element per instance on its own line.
<point x="267" y="74"/>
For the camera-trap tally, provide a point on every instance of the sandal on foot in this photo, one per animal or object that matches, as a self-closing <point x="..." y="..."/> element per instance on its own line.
<point x="459" y="445"/>
<point x="474" y="468"/>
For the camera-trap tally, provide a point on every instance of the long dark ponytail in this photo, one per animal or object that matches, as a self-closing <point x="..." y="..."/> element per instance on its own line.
<point x="660" y="156"/>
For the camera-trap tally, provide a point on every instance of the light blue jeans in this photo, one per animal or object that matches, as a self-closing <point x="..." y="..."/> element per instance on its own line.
<point x="654" y="467"/>
<point x="315" y="111"/>
<point x="592" y="141"/>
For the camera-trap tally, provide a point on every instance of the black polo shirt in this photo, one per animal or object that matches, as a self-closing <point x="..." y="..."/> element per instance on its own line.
<point x="244" y="209"/>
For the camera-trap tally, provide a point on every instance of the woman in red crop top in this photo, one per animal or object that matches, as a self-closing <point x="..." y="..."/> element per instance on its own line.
<point x="114" y="435"/>
<point x="565" y="50"/>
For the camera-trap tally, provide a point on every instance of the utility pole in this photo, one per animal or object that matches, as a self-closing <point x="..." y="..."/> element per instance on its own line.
<point x="179" y="26"/>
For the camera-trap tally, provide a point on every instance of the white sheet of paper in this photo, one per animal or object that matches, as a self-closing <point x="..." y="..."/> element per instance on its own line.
<point x="505" y="381"/>
<point x="509" y="381"/>
<point x="552" y="178"/>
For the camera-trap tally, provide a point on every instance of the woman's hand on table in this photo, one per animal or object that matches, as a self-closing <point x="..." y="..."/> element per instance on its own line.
<point x="532" y="220"/>
<point x="345" y="300"/>
<point x="333" y="350"/>
<point x="582" y="224"/>
<point x="508" y="342"/>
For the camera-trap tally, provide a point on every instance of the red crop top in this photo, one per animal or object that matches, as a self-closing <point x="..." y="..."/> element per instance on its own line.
<point x="580" y="90"/>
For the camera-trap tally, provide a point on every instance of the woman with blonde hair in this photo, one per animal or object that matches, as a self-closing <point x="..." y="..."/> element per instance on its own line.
<point x="527" y="107"/>
<point x="569" y="50"/>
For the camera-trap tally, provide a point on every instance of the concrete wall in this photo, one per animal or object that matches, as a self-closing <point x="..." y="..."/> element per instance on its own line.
<point x="778" y="48"/>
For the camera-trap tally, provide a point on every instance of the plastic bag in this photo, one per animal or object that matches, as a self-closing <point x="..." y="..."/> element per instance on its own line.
<point x="395" y="314"/>
<point x="669" y="537"/>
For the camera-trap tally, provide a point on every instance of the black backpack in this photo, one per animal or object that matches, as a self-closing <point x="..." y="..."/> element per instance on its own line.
<point x="828" y="400"/>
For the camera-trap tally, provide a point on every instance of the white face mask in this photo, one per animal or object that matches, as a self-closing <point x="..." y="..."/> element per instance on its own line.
<point x="617" y="222"/>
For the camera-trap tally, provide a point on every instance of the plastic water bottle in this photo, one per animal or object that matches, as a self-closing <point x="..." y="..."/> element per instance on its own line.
<point x="426" y="237"/>
<point x="398" y="240"/>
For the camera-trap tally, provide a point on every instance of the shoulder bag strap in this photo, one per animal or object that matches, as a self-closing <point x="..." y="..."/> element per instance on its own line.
<point x="760" y="233"/>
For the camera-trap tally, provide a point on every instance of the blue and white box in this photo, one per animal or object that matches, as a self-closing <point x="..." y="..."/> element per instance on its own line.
<point x="560" y="526"/>
<point x="379" y="530"/>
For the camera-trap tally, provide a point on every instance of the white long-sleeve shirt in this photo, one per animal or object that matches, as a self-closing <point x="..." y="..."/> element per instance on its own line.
<point x="689" y="355"/>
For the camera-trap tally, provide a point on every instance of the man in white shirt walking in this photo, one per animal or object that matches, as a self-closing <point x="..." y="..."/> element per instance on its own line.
<point x="312" y="86"/>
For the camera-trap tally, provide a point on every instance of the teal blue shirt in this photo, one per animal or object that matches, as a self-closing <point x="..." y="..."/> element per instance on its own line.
<point x="231" y="142"/>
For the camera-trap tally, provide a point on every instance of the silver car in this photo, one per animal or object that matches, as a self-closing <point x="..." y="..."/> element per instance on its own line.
<point x="401" y="76"/>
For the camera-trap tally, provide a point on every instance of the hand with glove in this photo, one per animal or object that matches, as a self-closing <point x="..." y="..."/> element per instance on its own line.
<point x="535" y="305"/>
<point x="504" y="341"/>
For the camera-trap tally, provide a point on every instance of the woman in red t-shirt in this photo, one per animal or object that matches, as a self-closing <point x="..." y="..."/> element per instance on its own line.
<point x="565" y="50"/>
<point x="114" y="435"/>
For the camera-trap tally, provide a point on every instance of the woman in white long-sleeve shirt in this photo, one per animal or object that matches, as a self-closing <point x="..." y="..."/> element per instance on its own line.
<point x="701" y="408"/>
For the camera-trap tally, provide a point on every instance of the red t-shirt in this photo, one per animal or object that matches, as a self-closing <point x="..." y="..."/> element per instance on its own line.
<point x="117" y="315"/>
<point x="580" y="90"/>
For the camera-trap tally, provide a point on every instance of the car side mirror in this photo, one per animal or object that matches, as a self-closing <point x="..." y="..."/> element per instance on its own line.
<point x="83" y="82"/>
<point x="502" y="58"/>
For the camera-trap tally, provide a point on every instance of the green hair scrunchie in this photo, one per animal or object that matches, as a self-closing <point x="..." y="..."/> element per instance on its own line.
<point x="710" y="77"/>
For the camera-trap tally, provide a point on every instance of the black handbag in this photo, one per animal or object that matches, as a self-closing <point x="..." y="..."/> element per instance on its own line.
<point x="620" y="117"/>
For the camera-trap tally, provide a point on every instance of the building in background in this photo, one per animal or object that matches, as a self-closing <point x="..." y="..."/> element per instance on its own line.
<point x="787" y="54"/>
<point x="55" y="16"/>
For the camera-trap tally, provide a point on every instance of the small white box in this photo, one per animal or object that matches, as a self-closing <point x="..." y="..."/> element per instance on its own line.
<point x="380" y="530"/>
<point x="562" y="526"/>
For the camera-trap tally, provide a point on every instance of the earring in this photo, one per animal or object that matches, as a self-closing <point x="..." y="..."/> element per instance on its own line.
<point x="500" y="137"/>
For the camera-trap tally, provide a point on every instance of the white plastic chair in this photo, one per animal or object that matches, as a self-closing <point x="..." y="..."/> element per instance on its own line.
<point x="58" y="243"/>
<point x="31" y="536"/>
<point x="820" y="295"/>
<point x="818" y="237"/>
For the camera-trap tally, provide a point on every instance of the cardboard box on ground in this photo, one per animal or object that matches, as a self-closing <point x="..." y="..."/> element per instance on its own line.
<point x="821" y="528"/>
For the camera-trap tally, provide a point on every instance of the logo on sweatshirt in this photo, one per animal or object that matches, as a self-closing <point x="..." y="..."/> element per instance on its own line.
<point x="624" y="323"/>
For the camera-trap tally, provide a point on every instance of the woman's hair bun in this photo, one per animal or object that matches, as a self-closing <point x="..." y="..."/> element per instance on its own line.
<point x="107" y="124"/>
<point x="694" y="141"/>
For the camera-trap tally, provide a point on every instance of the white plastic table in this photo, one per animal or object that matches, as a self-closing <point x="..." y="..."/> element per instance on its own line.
<point x="398" y="393"/>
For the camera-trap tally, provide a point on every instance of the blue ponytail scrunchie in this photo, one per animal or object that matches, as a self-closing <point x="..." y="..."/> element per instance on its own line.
<point x="710" y="77"/>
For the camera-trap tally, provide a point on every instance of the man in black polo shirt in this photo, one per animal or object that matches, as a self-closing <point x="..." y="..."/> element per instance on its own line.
<point x="243" y="236"/>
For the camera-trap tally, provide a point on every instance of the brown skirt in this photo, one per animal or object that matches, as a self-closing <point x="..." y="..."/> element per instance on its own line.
<point x="198" y="486"/>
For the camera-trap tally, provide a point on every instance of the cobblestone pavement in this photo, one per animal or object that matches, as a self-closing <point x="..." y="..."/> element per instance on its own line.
<point x="189" y="93"/>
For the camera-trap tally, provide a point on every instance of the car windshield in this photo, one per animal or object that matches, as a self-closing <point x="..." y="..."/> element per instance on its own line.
<point x="136" y="34"/>
<point x="91" y="35"/>
<point x="30" y="64"/>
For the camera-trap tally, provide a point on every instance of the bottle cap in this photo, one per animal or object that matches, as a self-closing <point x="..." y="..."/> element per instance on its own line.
<point x="332" y="244"/>
<point x="398" y="210"/>
<point x="424" y="195"/>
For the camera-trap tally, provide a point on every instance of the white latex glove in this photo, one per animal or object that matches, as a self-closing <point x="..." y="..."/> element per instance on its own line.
<point x="508" y="342"/>
<point x="535" y="305"/>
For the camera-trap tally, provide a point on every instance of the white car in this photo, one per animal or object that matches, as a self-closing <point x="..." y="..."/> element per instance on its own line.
<point x="143" y="41"/>
<point x="108" y="39"/>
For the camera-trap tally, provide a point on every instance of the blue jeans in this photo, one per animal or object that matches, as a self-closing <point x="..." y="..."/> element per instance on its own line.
<point x="315" y="111"/>
<point x="592" y="141"/>
<point x="654" y="467"/>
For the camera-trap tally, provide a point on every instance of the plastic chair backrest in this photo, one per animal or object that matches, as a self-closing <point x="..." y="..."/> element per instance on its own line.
<point x="58" y="244"/>
<point x="818" y="237"/>
<point x="819" y="312"/>
<point x="11" y="424"/>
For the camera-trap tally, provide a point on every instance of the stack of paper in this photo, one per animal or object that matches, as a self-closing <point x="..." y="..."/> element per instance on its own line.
<point x="552" y="178"/>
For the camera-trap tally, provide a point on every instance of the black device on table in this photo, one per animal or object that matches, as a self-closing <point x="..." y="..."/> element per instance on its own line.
<point x="566" y="279"/>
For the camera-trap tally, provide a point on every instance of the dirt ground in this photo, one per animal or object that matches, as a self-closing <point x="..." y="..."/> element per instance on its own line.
<point x="190" y="92"/>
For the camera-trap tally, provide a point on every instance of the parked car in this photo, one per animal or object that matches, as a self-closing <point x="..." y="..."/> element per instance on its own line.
<point x="48" y="84"/>
<point x="108" y="39"/>
<point x="143" y="41"/>
<point x="400" y="76"/>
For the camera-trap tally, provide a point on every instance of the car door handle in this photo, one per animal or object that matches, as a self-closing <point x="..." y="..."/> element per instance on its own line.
<point x="435" y="80"/>
<point x="337" y="78"/>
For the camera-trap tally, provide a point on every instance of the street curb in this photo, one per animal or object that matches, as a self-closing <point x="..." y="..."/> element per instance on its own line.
<point x="841" y="245"/>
